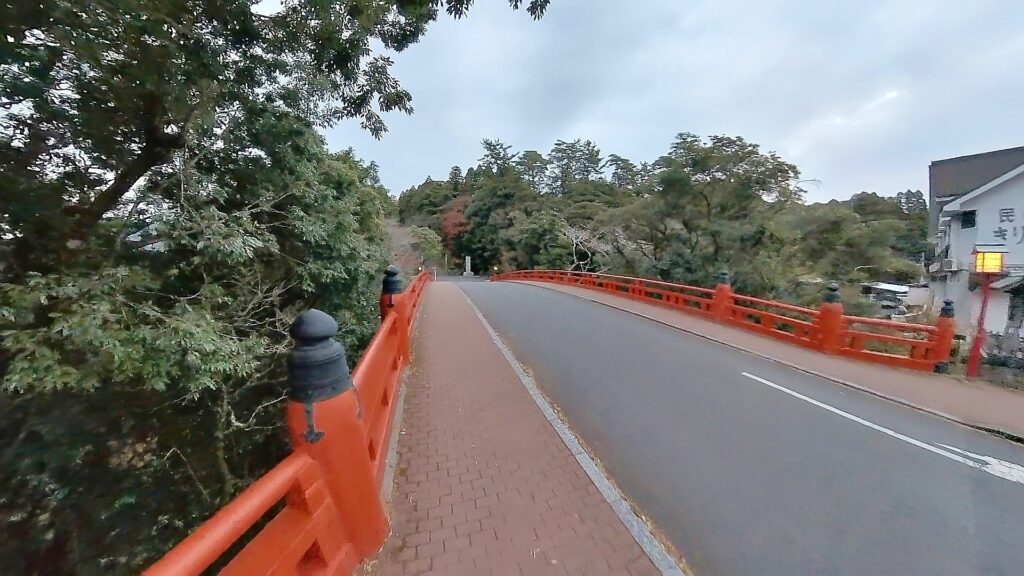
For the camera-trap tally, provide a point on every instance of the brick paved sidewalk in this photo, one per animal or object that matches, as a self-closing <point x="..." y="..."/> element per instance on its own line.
<point x="484" y="484"/>
<point x="970" y="402"/>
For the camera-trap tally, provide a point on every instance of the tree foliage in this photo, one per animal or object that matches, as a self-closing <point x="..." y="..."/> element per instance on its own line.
<point x="572" y="162"/>
<point x="706" y="205"/>
<point x="533" y="168"/>
<point x="427" y="244"/>
<point x="497" y="156"/>
<point x="624" y="173"/>
<point x="144" y="375"/>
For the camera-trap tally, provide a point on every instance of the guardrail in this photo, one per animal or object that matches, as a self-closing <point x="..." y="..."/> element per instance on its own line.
<point x="339" y="425"/>
<point x="826" y="328"/>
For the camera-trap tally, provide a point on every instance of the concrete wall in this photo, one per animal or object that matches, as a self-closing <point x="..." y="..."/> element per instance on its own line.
<point x="967" y="306"/>
<point x="917" y="297"/>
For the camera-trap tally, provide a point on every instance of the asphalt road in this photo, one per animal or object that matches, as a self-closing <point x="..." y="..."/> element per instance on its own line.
<point x="750" y="467"/>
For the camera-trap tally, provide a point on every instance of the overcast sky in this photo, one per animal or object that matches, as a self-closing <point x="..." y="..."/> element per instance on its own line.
<point x="859" y="95"/>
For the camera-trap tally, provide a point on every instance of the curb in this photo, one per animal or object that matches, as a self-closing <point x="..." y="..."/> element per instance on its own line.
<point x="387" y="485"/>
<point x="896" y="400"/>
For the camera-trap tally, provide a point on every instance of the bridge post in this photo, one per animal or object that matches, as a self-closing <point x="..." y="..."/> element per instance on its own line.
<point x="942" y="339"/>
<point x="391" y="285"/>
<point x="392" y="301"/>
<point x="721" y="302"/>
<point x="830" y="321"/>
<point x="323" y="417"/>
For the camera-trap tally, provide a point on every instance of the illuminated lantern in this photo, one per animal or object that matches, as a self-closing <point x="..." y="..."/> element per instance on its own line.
<point x="988" y="262"/>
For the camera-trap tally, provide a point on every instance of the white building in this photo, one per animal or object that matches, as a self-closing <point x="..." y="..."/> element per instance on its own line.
<point x="977" y="200"/>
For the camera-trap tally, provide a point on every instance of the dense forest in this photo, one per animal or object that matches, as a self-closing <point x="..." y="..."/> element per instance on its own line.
<point x="168" y="206"/>
<point x="706" y="205"/>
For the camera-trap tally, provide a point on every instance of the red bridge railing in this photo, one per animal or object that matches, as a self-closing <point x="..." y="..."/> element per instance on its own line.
<point x="333" y="515"/>
<point x="826" y="328"/>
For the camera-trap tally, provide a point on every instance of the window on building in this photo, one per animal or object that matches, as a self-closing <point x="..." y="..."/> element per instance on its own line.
<point x="969" y="219"/>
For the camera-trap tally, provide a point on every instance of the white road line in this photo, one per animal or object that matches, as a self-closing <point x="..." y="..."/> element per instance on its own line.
<point x="994" y="466"/>
<point x="660" y="557"/>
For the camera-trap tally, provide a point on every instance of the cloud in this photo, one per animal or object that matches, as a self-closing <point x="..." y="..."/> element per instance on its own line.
<point x="870" y="119"/>
<point x="861" y="96"/>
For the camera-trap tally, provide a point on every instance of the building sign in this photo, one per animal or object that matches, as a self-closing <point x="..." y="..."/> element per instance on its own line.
<point x="1010" y="226"/>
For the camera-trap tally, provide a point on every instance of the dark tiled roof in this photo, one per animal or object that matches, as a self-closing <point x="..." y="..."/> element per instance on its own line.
<point x="958" y="176"/>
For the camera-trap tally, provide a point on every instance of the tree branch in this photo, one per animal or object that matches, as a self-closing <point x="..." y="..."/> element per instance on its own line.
<point x="228" y="479"/>
<point x="191" y="472"/>
<point x="156" y="150"/>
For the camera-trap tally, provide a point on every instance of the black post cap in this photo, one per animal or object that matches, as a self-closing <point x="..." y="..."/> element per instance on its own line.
<point x="723" y="277"/>
<point x="392" y="282"/>
<point x="832" y="293"/>
<point x="317" y="369"/>
<point x="947" y="309"/>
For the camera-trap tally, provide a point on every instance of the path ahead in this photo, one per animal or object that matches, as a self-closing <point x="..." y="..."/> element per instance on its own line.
<point x="484" y="483"/>
<point x="750" y="467"/>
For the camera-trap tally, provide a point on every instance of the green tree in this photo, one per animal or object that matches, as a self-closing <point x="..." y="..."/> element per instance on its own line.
<point x="912" y="202"/>
<point x="532" y="168"/>
<point x="427" y="244"/>
<point x="455" y="180"/>
<point x="536" y="241"/>
<point x="872" y="207"/>
<point x="912" y="241"/>
<point x="714" y="201"/>
<point x="727" y="160"/>
<point x="625" y="173"/>
<point x="906" y="215"/>
<point x="422" y="205"/>
<point x="836" y="243"/>
<point x="489" y="212"/>
<point x="576" y="161"/>
<point x="497" y="156"/>
<point x="597" y="191"/>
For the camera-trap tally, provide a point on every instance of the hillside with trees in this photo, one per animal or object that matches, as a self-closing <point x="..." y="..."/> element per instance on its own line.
<point x="706" y="205"/>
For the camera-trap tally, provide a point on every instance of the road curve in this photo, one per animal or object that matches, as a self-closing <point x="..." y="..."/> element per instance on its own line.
<point x="750" y="467"/>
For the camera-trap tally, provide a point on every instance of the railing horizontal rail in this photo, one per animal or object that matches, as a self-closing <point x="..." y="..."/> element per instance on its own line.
<point x="891" y="324"/>
<point x="895" y="360"/>
<point x="899" y="340"/>
<point x="776" y="319"/>
<point x="204" y="546"/>
<point x="825" y="329"/>
<point x="811" y="313"/>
